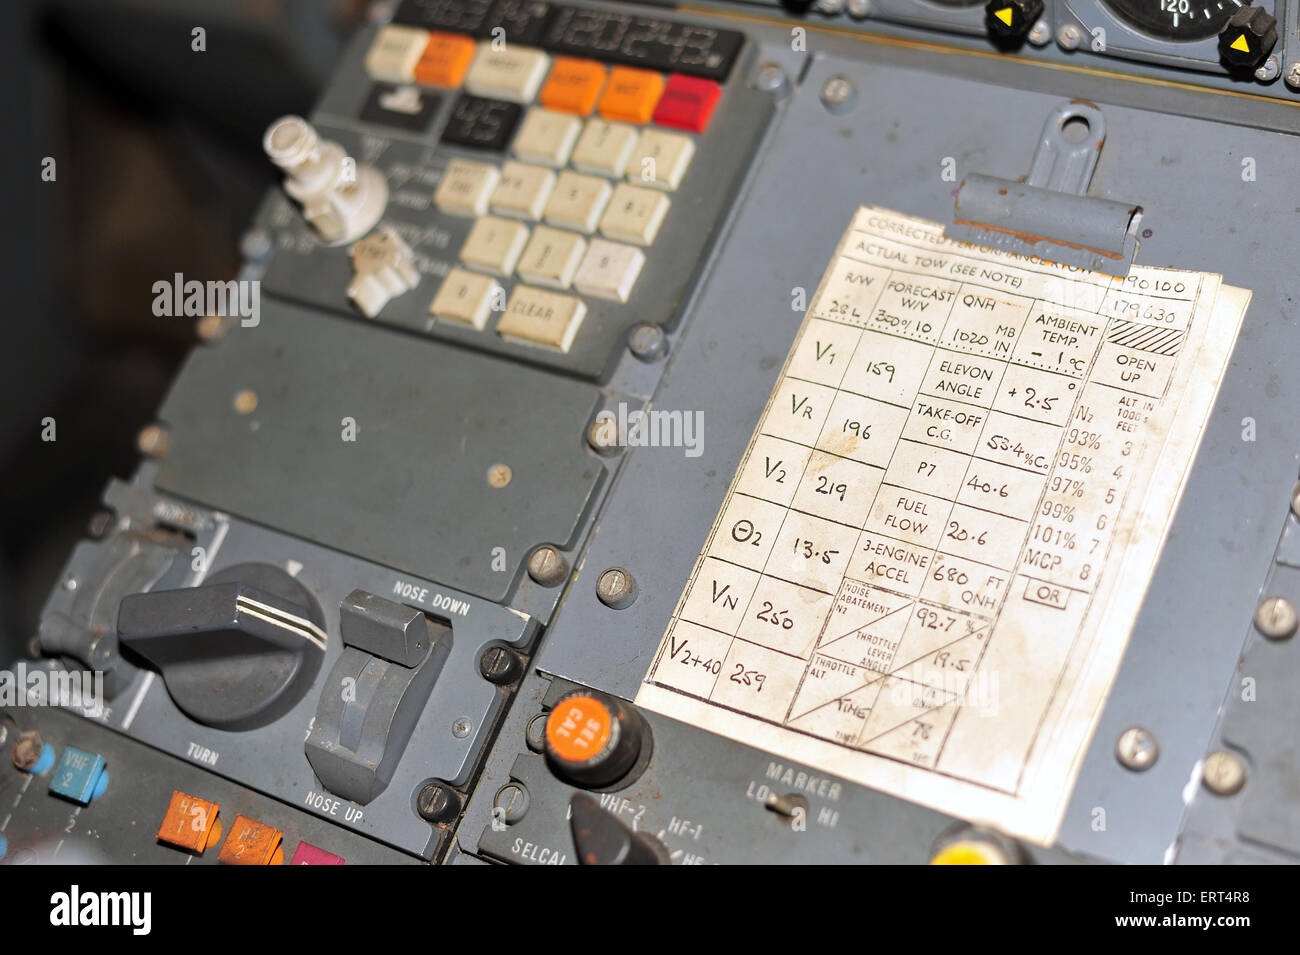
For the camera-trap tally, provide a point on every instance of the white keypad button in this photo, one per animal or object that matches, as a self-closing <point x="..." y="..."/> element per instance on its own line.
<point x="551" y="257"/>
<point x="513" y="73"/>
<point x="609" y="270"/>
<point x="394" y="52"/>
<point x="494" y="245"/>
<point x="466" y="187"/>
<point x="660" y="159"/>
<point x="465" y="297"/>
<point x="604" y="147"/>
<point x="537" y="317"/>
<point x="547" y="137"/>
<point x="577" y="201"/>
<point x="522" y="190"/>
<point x="634" y="214"/>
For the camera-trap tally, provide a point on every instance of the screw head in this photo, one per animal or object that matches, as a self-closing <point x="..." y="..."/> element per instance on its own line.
<point x="1069" y="37"/>
<point x="1268" y="71"/>
<point x="1223" y="773"/>
<point x="499" y="475"/>
<point x="616" y="589"/>
<point x="437" y="802"/>
<point x="838" y="94"/>
<point x="498" y="666"/>
<point x="1293" y="74"/>
<point x="858" y="9"/>
<point x="648" y="342"/>
<point x="1275" y="618"/>
<point x="27" y="750"/>
<point x="512" y="801"/>
<point x="547" y="566"/>
<point x="1137" y="749"/>
<point x="769" y="78"/>
<point x="245" y="401"/>
<point x="461" y="727"/>
<point x="1040" y="34"/>
<point x="603" y="436"/>
<point x="535" y="733"/>
<point x="153" y="440"/>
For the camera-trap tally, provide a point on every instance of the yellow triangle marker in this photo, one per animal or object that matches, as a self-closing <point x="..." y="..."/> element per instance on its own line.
<point x="1240" y="44"/>
<point x="1004" y="15"/>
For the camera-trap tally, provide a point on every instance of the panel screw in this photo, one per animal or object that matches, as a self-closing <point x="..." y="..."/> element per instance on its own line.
<point x="859" y="9"/>
<point x="1293" y="74"/>
<point x="1275" y="618"/>
<point x="499" y="666"/>
<point x="838" y="93"/>
<point x="830" y="8"/>
<point x="547" y="566"/>
<point x="153" y="440"/>
<point x="437" y="802"/>
<point x="1137" y="749"/>
<point x="499" y="475"/>
<point x="769" y="78"/>
<point x="1223" y="773"/>
<point x="512" y="802"/>
<point x="1268" y="70"/>
<point x="602" y="434"/>
<point x="1040" y="34"/>
<point x="648" y="342"/>
<point x="27" y="750"/>
<point x="245" y="401"/>
<point x="535" y="733"/>
<point x="616" y="588"/>
<point x="461" y="727"/>
<point x="1069" y="37"/>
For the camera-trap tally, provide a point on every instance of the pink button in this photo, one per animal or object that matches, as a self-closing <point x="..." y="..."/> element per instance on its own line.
<point x="308" y="854"/>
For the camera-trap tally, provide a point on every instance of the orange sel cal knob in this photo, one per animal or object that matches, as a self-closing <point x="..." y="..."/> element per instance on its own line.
<point x="593" y="740"/>
<point x="190" y="823"/>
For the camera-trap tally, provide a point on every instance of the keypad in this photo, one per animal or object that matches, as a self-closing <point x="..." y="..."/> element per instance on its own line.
<point x="579" y="138"/>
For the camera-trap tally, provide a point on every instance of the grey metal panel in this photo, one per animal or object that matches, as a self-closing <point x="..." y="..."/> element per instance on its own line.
<point x="411" y="491"/>
<point x="888" y="152"/>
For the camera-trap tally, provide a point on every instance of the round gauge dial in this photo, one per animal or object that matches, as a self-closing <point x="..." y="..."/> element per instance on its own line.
<point x="1175" y="19"/>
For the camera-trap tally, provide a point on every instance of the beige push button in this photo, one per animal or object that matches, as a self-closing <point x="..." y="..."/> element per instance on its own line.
<point x="634" y="214"/>
<point x="394" y="52"/>
<point x="577" y="201"/>
<point x="465" y="297"/>
<point x="523" y="190"/>
<point x="609" y="270"/>
<point x="465" y="187"/>
<point x="660" y="159"/>
<point x="547" y="137"/>
<point x="536" y="317"/>
<point x="551" y="257"/>
<point x="604" y="147"/>
<point x="513" y="73"/>
<point x="494" y="245"/>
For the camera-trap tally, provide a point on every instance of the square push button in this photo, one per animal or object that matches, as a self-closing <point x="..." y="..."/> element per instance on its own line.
<point x="445" y="60"/>
<point x="190" y="823"/>
<point x="252" y="843"/>
<point x="308" y="854"/>
<point x="573" y="86"/>
<point x="631" y="95"/>
<point x="687" y="103"/>
<point x="79" y="776"/>
<point x="481" y="123"/>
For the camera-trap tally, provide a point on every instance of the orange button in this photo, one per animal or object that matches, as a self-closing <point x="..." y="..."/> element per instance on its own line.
<point x="573" y="85"/>
<point x="445" y="60"/>
<point x="631" y="95"/>
<point x="578" y="728"/>
<point x="252" y="843"/>
<point x="190" y="823"/>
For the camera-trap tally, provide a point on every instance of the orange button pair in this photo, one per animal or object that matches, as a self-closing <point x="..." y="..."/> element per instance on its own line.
<point x="445" y="60"/>
<point x="190" y="823"/>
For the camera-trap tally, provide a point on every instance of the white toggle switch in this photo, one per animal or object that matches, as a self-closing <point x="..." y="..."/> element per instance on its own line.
<point x="341" y="198"/>
<point x="384" y="268"/>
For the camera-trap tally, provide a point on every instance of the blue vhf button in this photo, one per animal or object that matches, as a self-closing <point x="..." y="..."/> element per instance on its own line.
<point x="79" y="776"/>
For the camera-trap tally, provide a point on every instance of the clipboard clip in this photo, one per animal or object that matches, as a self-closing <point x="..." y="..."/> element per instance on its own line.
<point x="1049" y="213"/>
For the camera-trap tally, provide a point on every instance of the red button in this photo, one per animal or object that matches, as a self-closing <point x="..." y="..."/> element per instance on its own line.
<point x="309" y="854"/>
<point x="687" y="103"/>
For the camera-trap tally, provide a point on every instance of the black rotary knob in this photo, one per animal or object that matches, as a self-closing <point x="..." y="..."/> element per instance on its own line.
<point x="235" y="653"/>
<point x="1247" y="38"/>
<point x="601" y="839"/>
<point x="1012" y="19"/>
<point x="592" y="739"/>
